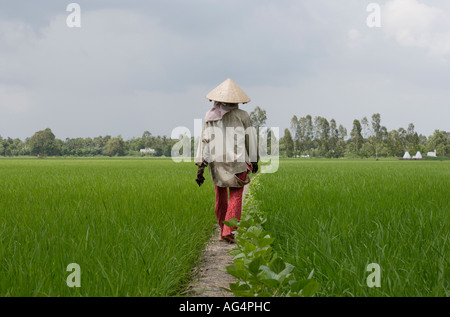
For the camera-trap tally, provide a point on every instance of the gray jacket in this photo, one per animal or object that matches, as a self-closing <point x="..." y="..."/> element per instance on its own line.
<point x="228" y="146"/>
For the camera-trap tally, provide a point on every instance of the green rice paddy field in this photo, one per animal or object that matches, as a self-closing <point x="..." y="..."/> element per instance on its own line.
<point x="136" y="227"/>
<point x="336" y="217"/>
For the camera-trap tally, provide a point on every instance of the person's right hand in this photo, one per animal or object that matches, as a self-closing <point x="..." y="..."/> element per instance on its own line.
<point x="200" y="179"/>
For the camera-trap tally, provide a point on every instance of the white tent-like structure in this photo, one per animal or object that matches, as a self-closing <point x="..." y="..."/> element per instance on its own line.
<point x="418" y="155"/>
<point x="432" y="154"/>
<point x="407" y="156"/>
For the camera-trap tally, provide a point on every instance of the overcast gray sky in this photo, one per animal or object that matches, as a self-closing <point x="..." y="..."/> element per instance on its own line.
<point x="147" y="65"/>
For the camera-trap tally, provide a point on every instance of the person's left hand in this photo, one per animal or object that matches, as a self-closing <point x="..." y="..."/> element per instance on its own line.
<point x="254" y="167"/>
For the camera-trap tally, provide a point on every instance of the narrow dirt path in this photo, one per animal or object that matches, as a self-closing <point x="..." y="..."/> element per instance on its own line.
<point x="212" y="273"/>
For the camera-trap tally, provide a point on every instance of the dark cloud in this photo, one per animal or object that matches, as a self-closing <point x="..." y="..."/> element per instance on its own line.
<point x="146" y="65"/>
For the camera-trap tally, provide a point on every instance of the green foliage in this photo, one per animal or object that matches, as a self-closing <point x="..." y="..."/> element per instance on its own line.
<point x="120" y="219"/>
<point x="440" y="141"/>
<point x="115" y="147"/>
<point x="339" y="216"/>
<point x="288" y="143"/>
<point x="319" y="138"/>
<point x="258" y="117"/>
<point x="257" y="267"/>
<point x="13" y="147"/>
<point x="316" y="137"/>
<point x="43" y="143"/>
<point x="356" y="139"/>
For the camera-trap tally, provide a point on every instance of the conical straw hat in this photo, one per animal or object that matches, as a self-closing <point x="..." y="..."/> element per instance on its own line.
<point x="229" y="92"/>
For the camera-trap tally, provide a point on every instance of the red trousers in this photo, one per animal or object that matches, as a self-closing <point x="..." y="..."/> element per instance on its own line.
<point x="227" y="209"/>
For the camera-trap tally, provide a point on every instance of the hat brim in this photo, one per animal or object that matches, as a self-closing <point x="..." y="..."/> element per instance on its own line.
<point x="228" y="92"/>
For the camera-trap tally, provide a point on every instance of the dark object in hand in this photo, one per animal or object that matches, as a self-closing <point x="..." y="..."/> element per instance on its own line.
<point x="254" y="167"/>
<point x="200" y="179"/>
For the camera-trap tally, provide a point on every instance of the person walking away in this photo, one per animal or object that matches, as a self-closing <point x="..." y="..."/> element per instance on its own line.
<point x="228" y="147"/>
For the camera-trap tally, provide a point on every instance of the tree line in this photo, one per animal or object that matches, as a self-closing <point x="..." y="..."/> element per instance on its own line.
<point x="318" y="137"/>
<point x="44" y="143"/>
<point x="307" y="136"/>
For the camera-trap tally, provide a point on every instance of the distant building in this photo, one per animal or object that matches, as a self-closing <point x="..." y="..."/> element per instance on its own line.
<point x="418" y="155"/>
<point x="432" y="154"/>
<point x="407" y="156"/>
<point x="147" y="150"/>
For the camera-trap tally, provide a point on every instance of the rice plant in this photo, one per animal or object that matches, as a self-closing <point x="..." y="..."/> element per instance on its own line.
<point x="338" y="216"/>
<point x="134" y="226"/>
